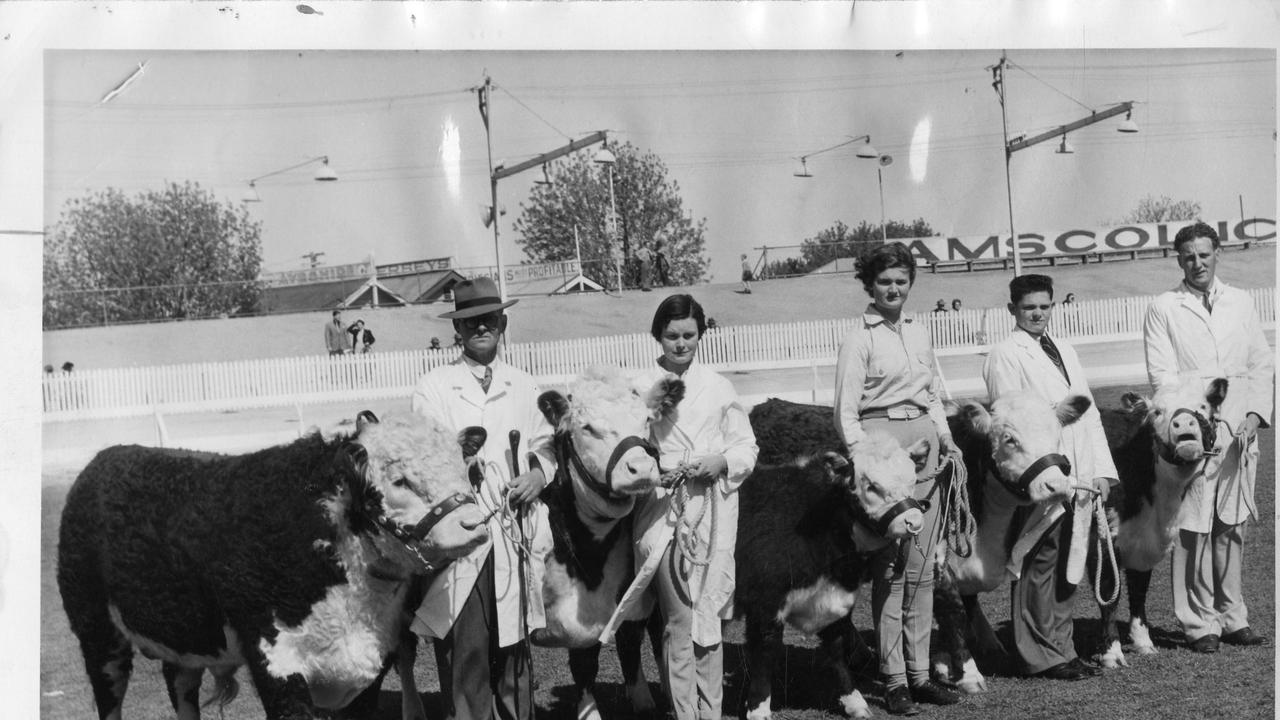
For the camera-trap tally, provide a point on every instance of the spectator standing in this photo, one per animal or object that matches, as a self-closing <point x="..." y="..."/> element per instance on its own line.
<point x="1042" y="598"/>
<point x="956" y="305"/>
<point x="480" y="608"/>
<point x="435" y="343"/>
<point x="334" y="341"/>
<point x="940" y="306"/>
<point x="1204" y="328"/>
<point x="644" y="257"/>
<point x="457" y="341"/>
<point x="361" y="338"/>
<point x="746" y="275"/>
<point x="661" y="265"/>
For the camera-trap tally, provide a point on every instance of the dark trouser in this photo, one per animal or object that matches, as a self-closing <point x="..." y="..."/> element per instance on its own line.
<point x="1041" y="602"/>
<point x="478" y="679"/>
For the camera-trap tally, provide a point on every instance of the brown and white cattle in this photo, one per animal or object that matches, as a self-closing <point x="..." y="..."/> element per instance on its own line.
<point x="1160" y="444"/>
<point x="293" y="560"/>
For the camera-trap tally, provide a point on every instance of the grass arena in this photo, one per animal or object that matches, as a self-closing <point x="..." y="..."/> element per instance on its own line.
<point x="1175" y="683"/>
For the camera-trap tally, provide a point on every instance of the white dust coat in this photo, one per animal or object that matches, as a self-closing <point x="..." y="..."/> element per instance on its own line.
<point x="451" y="395"/>
<point x="1182" y="340"/>
<point x="709" y="420"/>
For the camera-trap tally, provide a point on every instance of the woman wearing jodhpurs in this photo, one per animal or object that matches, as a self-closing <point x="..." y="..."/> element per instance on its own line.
<point x="885" y="382"/>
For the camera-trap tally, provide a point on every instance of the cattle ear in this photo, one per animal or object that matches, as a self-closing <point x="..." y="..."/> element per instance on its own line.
<point x="664" y="396"/>
<point x="1217" y="392"/>
<point x="1071" y="408"/>
<point x="472" y="439"/>
<point x="837" y="467"/>
<point x="553" y="406"/>
<point x="976" y="417"/>
<point x="1132" y="402"/>
<point x="919" y="452"/>
<point x="355" y="456"/>
<point x="364" y="419"/>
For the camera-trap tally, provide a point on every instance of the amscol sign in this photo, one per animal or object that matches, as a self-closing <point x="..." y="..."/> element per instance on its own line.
<point x="1080" y="241"/>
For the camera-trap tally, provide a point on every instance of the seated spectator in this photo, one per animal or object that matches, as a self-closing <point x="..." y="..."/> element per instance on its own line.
<point x="940" y="306"/>
<point x="955" y="304"/>
<point x="435" y="343"/>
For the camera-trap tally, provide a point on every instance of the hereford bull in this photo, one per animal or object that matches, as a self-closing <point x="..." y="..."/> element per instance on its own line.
<point x="1160" y="444"/>
<point x="293" y="560"/>
<point x="604" y="462"/>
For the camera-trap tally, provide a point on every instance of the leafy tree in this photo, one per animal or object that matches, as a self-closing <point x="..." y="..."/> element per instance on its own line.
<point x="840" y="241"/>
<point x="1151" y="209"/>
<point x="163" y="254"/>
<point x="649" y="208"/>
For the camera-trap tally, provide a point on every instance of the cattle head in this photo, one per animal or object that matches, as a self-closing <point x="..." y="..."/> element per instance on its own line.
<point x="1183" y="418"/>
<point x="602" y="428"/>
<point x="1024" y="431"/>
<point x="408" y="479"/>
<point x="879" y="479"/>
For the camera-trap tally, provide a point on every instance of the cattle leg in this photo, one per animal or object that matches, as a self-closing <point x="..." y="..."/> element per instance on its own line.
<point x="1110" y="654"/>
<point x="764" y="645"/>
<point x="183" y="686"/>
<point x="954" y="658"/>
<point x="286" y="699"/>
<point x="1138" y="581"/>
<point x="108" y="659"/>
<point x="838" y="647"/>
<point x="630" y="639"/>
<point x="584" y="666"/>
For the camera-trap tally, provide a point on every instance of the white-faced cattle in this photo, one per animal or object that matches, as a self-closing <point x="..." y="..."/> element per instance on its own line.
<point x="293" y="560"/>
<point x="804" y="534"/>
<point x="1160" y="445"/>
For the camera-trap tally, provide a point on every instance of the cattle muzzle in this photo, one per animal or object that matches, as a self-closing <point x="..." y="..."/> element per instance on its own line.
<point x="566" y="451"/>
<point x="1208" y="439"/>
<point x="1021" y="488"/>
<point x="880" y="528"/>
<point x="413" y="535"/>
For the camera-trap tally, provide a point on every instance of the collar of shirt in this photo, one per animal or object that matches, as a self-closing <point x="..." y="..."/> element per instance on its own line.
<point x="872" y="316"/>
<point x="1214" y="292"/>
<point x="476" y="368"/>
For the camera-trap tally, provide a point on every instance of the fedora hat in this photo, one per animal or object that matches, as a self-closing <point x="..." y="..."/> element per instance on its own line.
<point x="478" y="296"/>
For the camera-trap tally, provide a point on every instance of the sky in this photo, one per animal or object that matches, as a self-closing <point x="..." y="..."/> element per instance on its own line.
<point x="403" y="133"/>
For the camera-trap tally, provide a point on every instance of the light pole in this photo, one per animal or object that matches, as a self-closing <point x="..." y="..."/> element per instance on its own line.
<point x="607" y="158"/>
<point x="1022" y="142"/>
<point x="885" y="161"/>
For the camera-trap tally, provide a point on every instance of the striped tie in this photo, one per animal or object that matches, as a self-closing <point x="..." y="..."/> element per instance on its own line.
<point x="486" y="380"/>
<point x="1052" y="351"/>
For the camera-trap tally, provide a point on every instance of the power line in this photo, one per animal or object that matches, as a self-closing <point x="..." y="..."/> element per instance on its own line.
<point x="535" y="114"/>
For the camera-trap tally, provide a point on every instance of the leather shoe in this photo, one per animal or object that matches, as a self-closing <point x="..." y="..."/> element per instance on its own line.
<point x="897" y="700"/>
<point x="935" y="693"/>
<point x="1204" y="644"/>
<point x="1086" y="668"/>
<point x="1063" y="671"/>
<point x="1244" y="636"/>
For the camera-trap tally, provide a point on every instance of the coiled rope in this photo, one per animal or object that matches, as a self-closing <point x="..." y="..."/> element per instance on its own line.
<point x="1104" y="541"/>
<point x="957" y="525"/>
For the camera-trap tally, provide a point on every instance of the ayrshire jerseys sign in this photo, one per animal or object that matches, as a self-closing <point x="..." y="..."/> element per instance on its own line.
<point x="1080" y="241"/>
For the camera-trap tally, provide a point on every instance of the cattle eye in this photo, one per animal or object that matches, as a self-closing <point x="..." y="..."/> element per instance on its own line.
<point x="401" y="483"/>
<point x="589" y="429"/>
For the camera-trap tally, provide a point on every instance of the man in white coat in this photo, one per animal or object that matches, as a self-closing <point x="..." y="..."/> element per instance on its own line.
<point x="1042" y="595"/>
<point x="1206" y="329"/>
<point x="480" y="608"/>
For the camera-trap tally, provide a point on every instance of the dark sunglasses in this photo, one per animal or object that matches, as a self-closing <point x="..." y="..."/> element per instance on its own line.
<point x="490" y="320"/>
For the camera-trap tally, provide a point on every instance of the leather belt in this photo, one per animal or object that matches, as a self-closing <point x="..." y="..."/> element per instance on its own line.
<point x="901" y="411"/>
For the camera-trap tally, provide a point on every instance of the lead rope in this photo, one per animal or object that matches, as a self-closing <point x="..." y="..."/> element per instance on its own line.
<point x="1104" y="540"/>
<point x="957" y="525"/>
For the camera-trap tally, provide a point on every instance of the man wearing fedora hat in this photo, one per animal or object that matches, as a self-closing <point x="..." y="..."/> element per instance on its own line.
<point x="481" y="607"/>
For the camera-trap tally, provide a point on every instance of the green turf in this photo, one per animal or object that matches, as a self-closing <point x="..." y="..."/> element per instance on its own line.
<point x="1236" y="683"/>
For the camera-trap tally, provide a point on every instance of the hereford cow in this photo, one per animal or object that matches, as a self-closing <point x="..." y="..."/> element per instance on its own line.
<point x="604" y="461"/>
<point x="293" y="560"/>
<point x="804" y="534"/>
<point x="1159" y="444"/>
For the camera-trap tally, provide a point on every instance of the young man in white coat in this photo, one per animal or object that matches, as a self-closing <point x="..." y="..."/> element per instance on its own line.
<point x="481" y="607"/>
<point x="1042" y="596"/>
<point x="1206" y="329"/>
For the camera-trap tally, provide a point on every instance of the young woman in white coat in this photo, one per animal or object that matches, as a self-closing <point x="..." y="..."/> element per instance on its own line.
<point x="689" y="531"/>
<point x="885" y="381"/>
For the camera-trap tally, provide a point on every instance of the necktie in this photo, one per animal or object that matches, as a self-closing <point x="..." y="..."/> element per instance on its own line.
<point x="1208" y="306"/>
<point x="486" y="380"/>
<point x="1052" y="351"/>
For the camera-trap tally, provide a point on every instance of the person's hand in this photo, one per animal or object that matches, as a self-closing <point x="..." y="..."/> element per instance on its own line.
<point x="1102" y="486"/>
<point x="1249" y="427"/>
<point x="526" y="487"/>
<point x="708" y="468"/>
<point x="947" y="446"/>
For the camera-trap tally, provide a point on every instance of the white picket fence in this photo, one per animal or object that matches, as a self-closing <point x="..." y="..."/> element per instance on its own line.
<point x="246" y="384"/>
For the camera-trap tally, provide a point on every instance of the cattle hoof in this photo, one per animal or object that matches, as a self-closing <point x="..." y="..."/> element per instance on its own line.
<point x="760" y="712"/>
<point x="971" y="681"/>
<point x="942" y="671"/>
<point x="855" y="706"/>
<point x="1141" y="638"/>
<point x="587" y="709"/>
<point x="1113" y="658"/>
<point x="1144" y="649"/>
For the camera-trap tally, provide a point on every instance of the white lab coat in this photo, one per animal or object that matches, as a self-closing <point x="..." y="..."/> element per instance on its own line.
<point x="1183" y="340"/>
<point x="1019" y="363"/>
<point x="710" y="419"/>
<point x="451" y="395"/>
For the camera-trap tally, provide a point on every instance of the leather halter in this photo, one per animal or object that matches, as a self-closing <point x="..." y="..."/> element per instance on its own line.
<point x="880" y="528"/>
<point x="411" y="535"/>
<point x="1208" y="439"/>
<point x="566" y="451"/>
<point x="1021" y="488"/>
